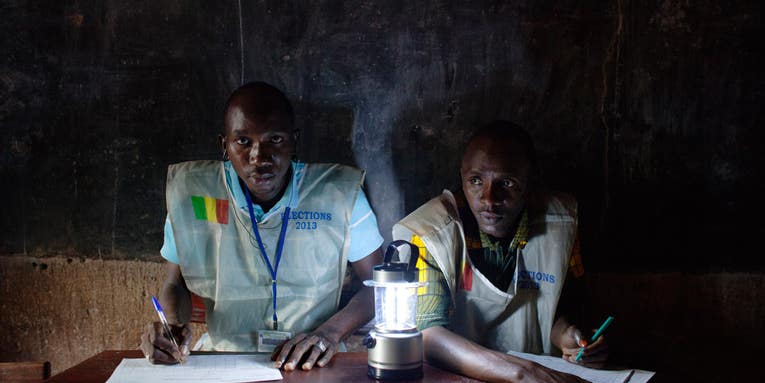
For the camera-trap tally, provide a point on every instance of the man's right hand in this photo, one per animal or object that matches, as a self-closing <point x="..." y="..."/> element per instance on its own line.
<point x="159" y="349"/>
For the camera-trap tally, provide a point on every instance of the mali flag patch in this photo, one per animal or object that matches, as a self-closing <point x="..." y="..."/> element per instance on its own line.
<point x="466" y="282"/>
<point x="210" y="209"/>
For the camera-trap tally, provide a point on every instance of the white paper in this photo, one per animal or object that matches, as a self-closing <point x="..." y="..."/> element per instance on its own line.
<point x="641" y="376"/>
<point x="591" y="374"/>
<point x="199" y="369"/>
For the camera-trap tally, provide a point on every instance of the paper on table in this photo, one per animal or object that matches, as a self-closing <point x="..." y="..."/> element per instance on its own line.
<point x="199" y="369"/>
<point x="641" y="376"/>
<point x="591" y="374"/>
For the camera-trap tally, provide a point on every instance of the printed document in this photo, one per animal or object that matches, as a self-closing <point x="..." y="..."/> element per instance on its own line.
<point x="591" y="374"/>
<point x="227" y="368"/>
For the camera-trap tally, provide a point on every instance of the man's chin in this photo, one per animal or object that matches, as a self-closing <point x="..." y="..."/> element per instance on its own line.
<point x="496" y="231"/>
<point x="261" y="193"/>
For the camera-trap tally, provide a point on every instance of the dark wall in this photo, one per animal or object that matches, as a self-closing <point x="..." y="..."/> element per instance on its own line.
<point x="646" y="111"/>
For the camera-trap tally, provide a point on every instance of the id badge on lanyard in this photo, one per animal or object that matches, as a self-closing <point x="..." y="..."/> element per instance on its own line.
<point x="269" y="339"/>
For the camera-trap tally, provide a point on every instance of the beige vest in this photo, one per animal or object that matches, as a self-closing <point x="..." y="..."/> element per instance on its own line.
<point x="519" y="319"/>
<point x="221" y="262"/>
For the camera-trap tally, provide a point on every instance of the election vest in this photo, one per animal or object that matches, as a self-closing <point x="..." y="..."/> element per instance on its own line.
<point x="521" y="318"/>
<point x="221" y="262"/>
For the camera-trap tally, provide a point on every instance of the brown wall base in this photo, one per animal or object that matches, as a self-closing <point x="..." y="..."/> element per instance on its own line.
<point x="66" y="310"/>
<point x="683" y="325"/>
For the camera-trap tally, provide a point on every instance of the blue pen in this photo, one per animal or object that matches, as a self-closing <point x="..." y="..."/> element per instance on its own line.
<point x="165" y="325"/>
<point x="596" y="335"/>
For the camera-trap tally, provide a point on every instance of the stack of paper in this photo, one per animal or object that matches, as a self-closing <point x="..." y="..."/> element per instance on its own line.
<point x="199" y="369"/>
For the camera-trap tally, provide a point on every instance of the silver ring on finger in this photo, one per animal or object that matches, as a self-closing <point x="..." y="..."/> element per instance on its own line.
<point x="321" y="346"/>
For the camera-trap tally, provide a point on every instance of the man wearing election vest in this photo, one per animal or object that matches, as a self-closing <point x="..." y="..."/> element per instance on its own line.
<point x="496" y="255"/>
<point x="264" y="241"/>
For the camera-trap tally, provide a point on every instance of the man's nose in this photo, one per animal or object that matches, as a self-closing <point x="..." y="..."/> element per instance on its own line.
<point x="491" y="194"/>
<point x="260" y="155"/>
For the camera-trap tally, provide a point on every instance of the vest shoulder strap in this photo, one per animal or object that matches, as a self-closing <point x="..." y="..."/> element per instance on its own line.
<point x="193" y="172"/>
<point x="552" y="207"/>
<point x="437" y="223"/>
<point x="316" y="174"/>
<point x="432" y="216"/>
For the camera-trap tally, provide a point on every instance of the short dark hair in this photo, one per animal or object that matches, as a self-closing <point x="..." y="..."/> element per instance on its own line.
<point x="510" y="131"/>
<point x="267" y="98"/>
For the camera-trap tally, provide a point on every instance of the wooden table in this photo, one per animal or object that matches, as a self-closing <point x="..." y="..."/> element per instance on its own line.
<point x="346" y="367"/>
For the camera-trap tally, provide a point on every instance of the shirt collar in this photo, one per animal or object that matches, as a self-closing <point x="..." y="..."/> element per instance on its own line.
<point x="519" y="240"/>
<point x="289" y="198"/>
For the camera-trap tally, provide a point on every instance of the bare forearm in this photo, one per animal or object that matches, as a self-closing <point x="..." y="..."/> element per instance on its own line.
<point x="175" y="296"/>
<point x="450" y="351"/>
<point x="358" y="311"/>
<point x="558" y="331"/>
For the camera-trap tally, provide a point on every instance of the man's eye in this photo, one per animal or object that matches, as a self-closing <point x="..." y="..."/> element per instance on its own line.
<point x="475" y="181"/>
<point x="508" y="183"/>
<point x="242" y="140"/>
<point x="277" y="139"/>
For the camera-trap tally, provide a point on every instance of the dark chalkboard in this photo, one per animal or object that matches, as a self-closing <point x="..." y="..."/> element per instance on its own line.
<point x="647" y="112"/>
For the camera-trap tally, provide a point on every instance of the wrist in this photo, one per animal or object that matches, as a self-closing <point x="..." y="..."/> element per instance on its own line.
<point x="559" y="332"/>
<point x="174" y="321"/>
<point x="329" y="333"/>
<point x="516" y="369"/>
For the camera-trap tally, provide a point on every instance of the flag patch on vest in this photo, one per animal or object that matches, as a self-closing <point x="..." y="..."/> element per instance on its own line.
<point x="421" y="265"/>
<point x="466" y="282"/>
<point x="210" y="209"/>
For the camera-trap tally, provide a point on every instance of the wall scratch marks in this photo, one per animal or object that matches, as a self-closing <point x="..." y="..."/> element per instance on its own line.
<point x="23" y="220"/>
<point x="241" y="41"/>
<point x="612" y="55"/>
<point x="114" y="206"/>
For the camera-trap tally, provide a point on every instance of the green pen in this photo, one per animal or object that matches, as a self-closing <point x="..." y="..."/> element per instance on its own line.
<point x="596" y="335"/>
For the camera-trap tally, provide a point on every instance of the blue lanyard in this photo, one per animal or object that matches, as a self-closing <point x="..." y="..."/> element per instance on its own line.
<point x="279" y="247"/>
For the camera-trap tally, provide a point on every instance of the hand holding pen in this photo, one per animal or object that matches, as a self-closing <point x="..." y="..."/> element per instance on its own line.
<point x="163" y="343"/>
<point x="591" y="352"/>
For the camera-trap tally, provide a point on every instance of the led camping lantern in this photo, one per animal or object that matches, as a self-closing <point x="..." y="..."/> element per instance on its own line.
<point x="394" y="345"/>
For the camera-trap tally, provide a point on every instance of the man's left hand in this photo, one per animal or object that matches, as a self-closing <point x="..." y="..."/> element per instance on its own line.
<point x="308" y="349"/>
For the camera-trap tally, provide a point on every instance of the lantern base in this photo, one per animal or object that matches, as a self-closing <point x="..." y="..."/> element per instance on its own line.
<point x="382" y="374"/>
<point x="394" y="355"/>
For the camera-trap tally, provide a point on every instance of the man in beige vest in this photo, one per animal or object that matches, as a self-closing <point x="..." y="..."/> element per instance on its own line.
<point x="496" y="255"/>
<point x="264" y="241"/>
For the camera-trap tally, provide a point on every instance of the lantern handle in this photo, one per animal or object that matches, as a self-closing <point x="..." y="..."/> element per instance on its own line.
<point x="393" y="249"/>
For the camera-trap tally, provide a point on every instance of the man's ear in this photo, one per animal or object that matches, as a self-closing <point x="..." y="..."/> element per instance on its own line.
<point x="295" y="135"/>
<point x="295" y="138"/>
<point x="222" y="144"/>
